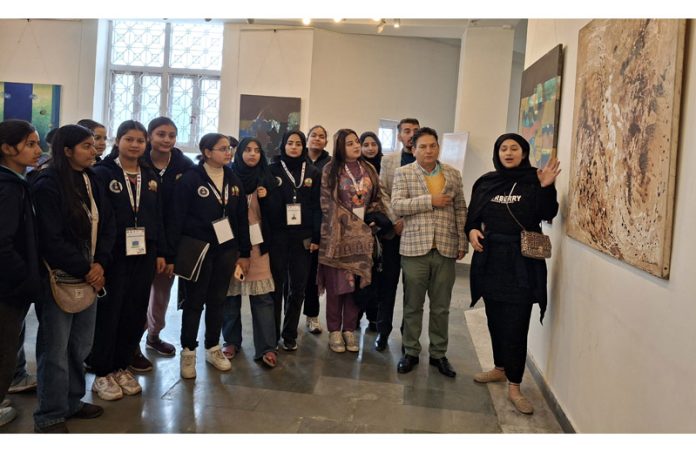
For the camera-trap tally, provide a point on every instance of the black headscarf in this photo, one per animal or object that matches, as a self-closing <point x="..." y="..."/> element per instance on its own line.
<point x="376" y="161"/>
<point x="293" y="163"/>
<point x="491" y="183"/>
<point x="252" y="177"/>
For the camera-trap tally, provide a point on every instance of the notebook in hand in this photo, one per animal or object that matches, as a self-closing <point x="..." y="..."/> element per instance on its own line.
<point x="189" y="258"/>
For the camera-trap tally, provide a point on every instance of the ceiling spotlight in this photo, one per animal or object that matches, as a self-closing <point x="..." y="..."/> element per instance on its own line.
<point x="306" y="21"/>
<point x="397" y="23"/>
<point x="377" y="20"/>
<point x="380" y="28"/>
<point x="338" y="20"/>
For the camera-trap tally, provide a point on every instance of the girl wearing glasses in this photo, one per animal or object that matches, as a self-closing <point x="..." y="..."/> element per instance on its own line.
<point x="296" y="217"/>
<point x="211" y="207"/>
<point x="133" y="191"/>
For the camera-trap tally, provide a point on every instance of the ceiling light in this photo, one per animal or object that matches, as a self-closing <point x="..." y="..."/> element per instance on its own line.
<point x="306" y="21"/>
<point x="338" y="20"/>
<point x="397" y="23"/>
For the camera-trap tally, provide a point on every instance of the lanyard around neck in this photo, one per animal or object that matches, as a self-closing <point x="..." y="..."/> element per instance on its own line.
<point x="134" y="201"/>
<point x="358" y="187"/>
<point x="290" y="176"/>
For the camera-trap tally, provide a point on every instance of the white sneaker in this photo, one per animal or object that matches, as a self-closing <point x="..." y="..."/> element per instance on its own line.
<point x="313" y="325"/>
<point x="7" y="415"/>
<point x="129" y="385"/>
<point x="188" y="363"/>
<point x="351" y="341"/>
<point x="25" y="384"/>
<point x="215" y="357"/>
<point x="107" y="388"/>
<point x="336" y="343"/>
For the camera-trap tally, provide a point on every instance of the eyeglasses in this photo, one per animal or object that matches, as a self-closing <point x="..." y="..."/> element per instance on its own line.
<point x="227" y="149"/>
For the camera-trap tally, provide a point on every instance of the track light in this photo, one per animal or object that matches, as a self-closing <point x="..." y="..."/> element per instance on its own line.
<point x="397" y="23"/>
<point x="306" y="21"/>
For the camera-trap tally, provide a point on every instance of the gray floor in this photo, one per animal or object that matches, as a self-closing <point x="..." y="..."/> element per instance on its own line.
<point x="314" y="390"/>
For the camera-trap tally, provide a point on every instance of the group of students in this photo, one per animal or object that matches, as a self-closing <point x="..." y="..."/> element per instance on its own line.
<point x="281" y="232"/>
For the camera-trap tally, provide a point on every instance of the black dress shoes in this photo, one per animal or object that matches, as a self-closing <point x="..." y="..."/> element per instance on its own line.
<point x="381" y="342"/>
<point x="443" y="366"/>
<point x="406" y="364"/>
<point x="88" y="411"/>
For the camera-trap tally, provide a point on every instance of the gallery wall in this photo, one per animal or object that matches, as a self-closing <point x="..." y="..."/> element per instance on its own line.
<point x="56" y="52"/>
<point x="617" y="344"/>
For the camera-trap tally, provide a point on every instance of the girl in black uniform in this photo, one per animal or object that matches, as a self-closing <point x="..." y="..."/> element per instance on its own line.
<point x="509" y="282"/>
<point x="296" y="216"/>
<point x="99" y="132"/>
<point x="133" y="191"/>
<point x="77" y="231"/>
<point x="19" y="262"/>
<point x="169" y="164"/>
<point x="210" y="206"/>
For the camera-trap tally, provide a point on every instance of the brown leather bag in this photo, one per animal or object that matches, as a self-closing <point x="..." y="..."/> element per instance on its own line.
<point x="533" y="245"/>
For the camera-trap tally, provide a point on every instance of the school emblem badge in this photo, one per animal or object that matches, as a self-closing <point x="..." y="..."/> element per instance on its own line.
<point x="178" y="176"/>
<point x="308" y="182"/>
<point x="280" y="180"/>
<point x="234" y="190"/>
<point x="115" y="186"/>
<point x="152" y="185"/>
<point x="203" y="192"/>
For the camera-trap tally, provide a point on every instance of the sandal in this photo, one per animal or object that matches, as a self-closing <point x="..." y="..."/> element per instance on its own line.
<point x="269" y="359"/>
<point x="230" y="351"/>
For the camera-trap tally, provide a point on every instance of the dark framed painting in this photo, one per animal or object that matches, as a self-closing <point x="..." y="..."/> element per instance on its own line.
<point x="34" y="102"/>
<point x="625" y="138"/>
<point x="540" y="106"/>
<point x="267" y="118"/>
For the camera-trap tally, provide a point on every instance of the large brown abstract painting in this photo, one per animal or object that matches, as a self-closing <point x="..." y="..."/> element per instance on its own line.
<point x="625" y="136"/>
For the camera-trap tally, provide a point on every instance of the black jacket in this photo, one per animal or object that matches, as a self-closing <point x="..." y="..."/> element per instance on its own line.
<point x="197" y="207"/>
<point x="55" y="244"/>
<point x="308" y="195"/>
<point x="321" y="162"/>
<point x="178" y="164"/>
<point x="19" y="259"/>
<point x="113" y="183"/>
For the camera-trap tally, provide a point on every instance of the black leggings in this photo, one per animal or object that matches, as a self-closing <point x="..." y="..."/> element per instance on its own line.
<point x="508" y="324"/>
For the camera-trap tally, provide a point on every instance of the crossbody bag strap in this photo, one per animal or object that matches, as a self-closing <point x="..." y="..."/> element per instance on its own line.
<point x="507" y="204"/>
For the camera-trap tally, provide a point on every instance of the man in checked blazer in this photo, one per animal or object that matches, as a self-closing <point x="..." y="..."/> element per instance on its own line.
<point x="429" y="195"/>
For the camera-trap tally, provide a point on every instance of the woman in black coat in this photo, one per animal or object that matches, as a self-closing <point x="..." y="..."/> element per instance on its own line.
<point x="509" y="282"/>
<point x="19" y="262"/>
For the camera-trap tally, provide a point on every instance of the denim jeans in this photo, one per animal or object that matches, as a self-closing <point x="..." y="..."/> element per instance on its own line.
<point x="262" y="315"/>
<point x="62" y="344"/>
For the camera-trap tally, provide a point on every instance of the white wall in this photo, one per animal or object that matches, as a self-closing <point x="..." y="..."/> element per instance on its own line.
<point x="56" y="52"/>
<point x="617" y="346"/>
<point x="358" y="79"/>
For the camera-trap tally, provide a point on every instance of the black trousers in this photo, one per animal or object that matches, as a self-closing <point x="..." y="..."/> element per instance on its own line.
<point x="311" y="301"/>
<point x="11" y="321"/>
<point x="210" y="290"/>
<point x="290" y="263"/>
<point x="387" y="285"/>
<point x="508" y="324"/>
<point x="122" y="313"/>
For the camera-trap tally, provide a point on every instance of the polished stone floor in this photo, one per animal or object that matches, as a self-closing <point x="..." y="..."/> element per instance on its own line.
<point x="314" y="390"/>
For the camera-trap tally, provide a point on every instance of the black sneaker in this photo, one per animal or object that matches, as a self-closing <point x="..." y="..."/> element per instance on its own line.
<point x="88" y="411"/>
<point x="60" y="427"/>
<point x="289" y="345"/>
<point x="140" y="363"/>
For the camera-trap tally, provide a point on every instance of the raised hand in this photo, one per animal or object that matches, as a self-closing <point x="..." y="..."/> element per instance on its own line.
<point x="548" y="174"/>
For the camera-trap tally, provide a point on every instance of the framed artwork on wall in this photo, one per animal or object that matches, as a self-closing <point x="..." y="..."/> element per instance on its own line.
<point x="540" y="106"/>
<point x="625" y="137"/>
<point x="34" y="102"/>
<point x="267" y="118"/>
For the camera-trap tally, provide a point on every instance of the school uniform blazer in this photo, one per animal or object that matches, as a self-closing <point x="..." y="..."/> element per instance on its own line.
<point x="149" y="213"/>
<point x="19" y="259"/>
<point x="55" y="245"/>
<point x="423" y="223"/>
<point x="196" y="207"/>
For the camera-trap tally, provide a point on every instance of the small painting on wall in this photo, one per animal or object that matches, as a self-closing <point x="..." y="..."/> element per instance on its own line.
<point x="267" y="118"/>
<point x="34" y="102"/>
<point x="625" y="137"/>
<point x="540" y="106"/>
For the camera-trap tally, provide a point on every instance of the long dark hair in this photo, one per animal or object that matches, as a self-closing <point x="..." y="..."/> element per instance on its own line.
<point x="153" y="125"/>
<point x="69" y="136"/>
<point x="339" y="155"/>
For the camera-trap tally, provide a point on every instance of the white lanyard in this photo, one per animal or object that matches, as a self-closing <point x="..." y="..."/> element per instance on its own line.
<point x="164" y="170"/>
<point x="292" y="179"/>
<point x="134" y="202"/>
<point x="92" y="214"/>
<point x="222" y="199"/>
<point x="358" y="187"/>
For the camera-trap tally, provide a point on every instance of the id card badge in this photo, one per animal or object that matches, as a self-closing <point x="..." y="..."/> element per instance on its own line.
<point x="360" y="212"/>
<point x="135" y="242"/>
<point x="294" y="214"/>
<point x="223" y="230"/>
<point x="255" y="234"/>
